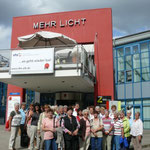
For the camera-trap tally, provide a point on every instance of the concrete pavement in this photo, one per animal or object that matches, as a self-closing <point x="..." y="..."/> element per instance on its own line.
<point x="4" y="140"/>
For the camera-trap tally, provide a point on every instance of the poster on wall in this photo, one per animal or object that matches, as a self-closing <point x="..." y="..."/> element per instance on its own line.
<point x="10" y="104"/>
<point x="116" y="103"/>
<point x="32" y="61"/>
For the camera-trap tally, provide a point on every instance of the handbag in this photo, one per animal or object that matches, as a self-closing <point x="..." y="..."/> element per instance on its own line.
<point x="54" y="133"/>
<point x="7" y="124"/>
<point x="124" y="142"/>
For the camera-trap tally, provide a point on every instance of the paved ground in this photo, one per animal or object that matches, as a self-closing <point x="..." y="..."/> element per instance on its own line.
<point x="4" y="140"/>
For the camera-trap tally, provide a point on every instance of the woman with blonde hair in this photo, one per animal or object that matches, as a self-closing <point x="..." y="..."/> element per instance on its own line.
<point x="40" y="133"/>
<point x="102" y="112"/>
<point x="96" y="132"/>
<point x="126" y="129"/>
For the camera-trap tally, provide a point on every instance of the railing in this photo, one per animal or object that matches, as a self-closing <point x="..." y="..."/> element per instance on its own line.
<point x="77" y="57"/>
<point x="4" y="60"/>
<point x="65" y="57"/>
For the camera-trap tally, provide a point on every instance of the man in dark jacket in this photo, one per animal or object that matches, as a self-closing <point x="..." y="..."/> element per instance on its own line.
<point x="70" y="127"/>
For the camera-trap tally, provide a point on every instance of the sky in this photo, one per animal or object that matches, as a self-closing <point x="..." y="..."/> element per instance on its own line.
<point x="129" y="16"/>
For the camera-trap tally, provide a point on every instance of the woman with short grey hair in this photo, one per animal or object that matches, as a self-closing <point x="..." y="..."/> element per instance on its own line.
<point x="137" y="132"/>
<point x="14" y="125"/>
<point x="85" y="111"/>
<point x="107" y="131"/>
<point x="118" y="132"/>
<point x="129" y="117"/>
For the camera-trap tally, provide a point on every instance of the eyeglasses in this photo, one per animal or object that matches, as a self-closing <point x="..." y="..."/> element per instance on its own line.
<point x="86" y="114"/>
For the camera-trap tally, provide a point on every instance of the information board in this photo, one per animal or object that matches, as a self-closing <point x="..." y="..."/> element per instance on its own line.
<point x="32" y="61"/>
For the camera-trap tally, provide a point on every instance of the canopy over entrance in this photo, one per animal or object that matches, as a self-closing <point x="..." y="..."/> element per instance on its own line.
<point x="45" y="39"/>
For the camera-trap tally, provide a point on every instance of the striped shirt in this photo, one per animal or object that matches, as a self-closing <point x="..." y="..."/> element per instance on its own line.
<point x="118" y="124"/>
<point x="108" y="123"/>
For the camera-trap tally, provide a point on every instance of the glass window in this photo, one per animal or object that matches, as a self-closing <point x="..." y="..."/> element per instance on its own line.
<point x="135" y="49"/>
<point x="136" y="61"/>
<point x="146" y="111"/>
<point x="144" y="47"/>
<point x="115" y="64"/>
<point x="145" y="59"/>
<point x="128" y="76"/>
<point x="127" y="51"/>
<point x="121" y="77"/>
<point x="114" y="52"/>
<point x="115" y="70"/>
<point x="146" y="101"/>
<point x="120" y="52"/>
<point x="128" y="62"/>
<point x="120" y="63"/>
<point x="122" y="102"/>
<point x="137" y="75"/>
<point x="145" y="74"/>
<point x="138" y="102"/>
<point x="129" y="102"/>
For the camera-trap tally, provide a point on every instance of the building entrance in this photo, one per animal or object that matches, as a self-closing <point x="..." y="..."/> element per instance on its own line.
<point x="67" y="98"/>
<point x="66" y="102"/>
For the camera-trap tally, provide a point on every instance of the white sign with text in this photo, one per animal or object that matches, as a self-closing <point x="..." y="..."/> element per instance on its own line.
<point x="32" y="61"/>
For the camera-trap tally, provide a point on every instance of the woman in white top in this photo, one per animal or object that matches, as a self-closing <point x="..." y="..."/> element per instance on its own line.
<point x="96" y="132"/>
<point x="137" y="132"/>
<point x="14" y="125"/>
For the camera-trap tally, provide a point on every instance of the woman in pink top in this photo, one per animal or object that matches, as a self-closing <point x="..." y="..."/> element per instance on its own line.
<point x="29" y="119"/>
<point x="48" y="128"/>
<point x="84" y="131"/>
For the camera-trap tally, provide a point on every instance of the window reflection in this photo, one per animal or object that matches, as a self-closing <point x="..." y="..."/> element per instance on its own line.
<point x="121" y="77"/>
<point x="128" y="62"/>
<point x="137" y="75"/>
<point x="120" y="63"/>
<point x="127" y="51"/>
<point x="144" y="47"/>
<point x="133" y="65"/>
<point x="135" y="49"/>
<point x="136" y="61"/>
<point x="128" y="75"/>
<point x="114" y="52"/>
<point x="120" y="52"/>
<point x="145" y="74"/>
<point x="145" y="59"/>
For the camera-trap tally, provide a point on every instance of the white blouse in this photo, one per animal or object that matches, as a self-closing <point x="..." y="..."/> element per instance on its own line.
<point x="137" y="128"/>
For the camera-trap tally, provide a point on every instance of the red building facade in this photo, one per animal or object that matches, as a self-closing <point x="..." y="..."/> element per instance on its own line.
<point x="86" y="27"/>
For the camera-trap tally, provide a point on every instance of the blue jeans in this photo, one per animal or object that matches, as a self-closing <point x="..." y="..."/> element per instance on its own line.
<point x="116" y="142"/>
<point x="50" y="144"/>
<point x="96" y="143"/>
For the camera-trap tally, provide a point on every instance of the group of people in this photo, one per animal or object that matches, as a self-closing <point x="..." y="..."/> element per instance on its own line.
<point x="70" y="128"/>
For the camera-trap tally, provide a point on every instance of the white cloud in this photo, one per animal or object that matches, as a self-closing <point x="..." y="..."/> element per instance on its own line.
<point x="129" y="16"/>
